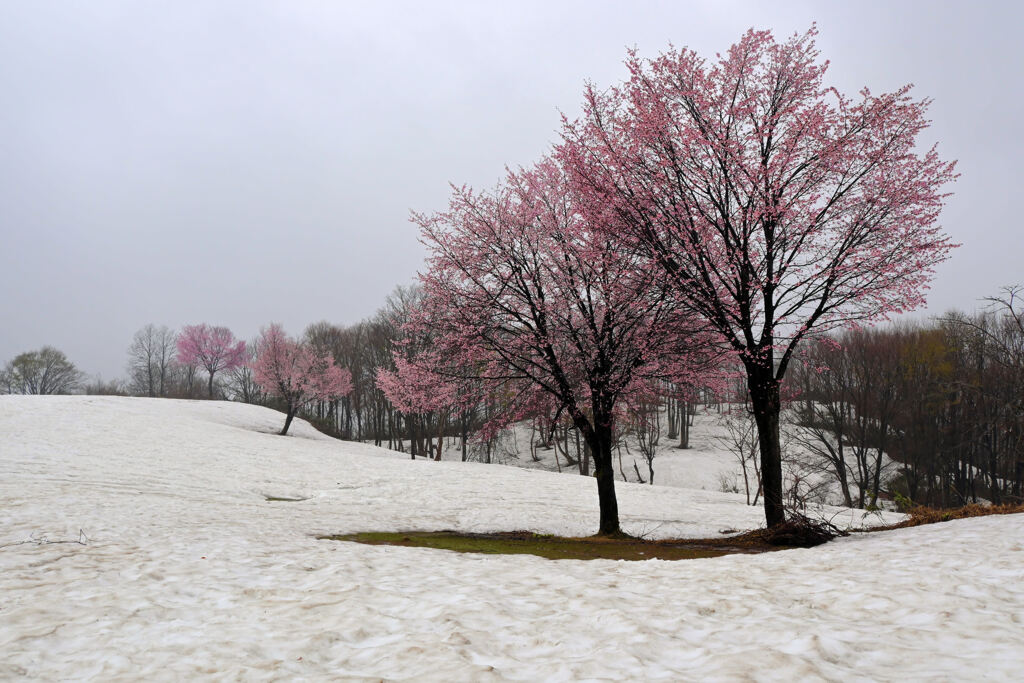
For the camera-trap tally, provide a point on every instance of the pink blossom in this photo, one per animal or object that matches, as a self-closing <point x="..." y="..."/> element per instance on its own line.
<point x="214" y="348"/>
<point x="532" y="306"/>
<point x="296" y="373"/>
<point x="774" y="205"/>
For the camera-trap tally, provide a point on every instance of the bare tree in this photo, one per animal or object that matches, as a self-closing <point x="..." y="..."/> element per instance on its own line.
<point x="240" y="384"/>
<point x="114" y="387"/>
<point x="150" y="358"/>
<point x="644" y="425"/>
<point x="46" y="371"/>
<point x="827" y="416"/>
<point x="7" y="385"/>
<point x="1003" y="328"/>
<point x="740" y="438"/>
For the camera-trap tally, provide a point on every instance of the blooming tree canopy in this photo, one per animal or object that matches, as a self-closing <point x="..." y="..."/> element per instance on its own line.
<point x="525" y="301"/>
<point x="296" y="372"/>
<point x="213" y="348"/>
<point x="774" y="205"/>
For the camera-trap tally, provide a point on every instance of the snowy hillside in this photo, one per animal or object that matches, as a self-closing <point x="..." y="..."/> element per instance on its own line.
<point x="190" y="571"/>
<point x="709" y="463"/>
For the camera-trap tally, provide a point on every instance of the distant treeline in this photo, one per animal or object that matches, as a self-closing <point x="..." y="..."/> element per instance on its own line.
<point x="944" y="400"/>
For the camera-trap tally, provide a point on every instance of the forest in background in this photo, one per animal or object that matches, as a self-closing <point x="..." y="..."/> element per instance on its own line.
<point x="943" y="399"/>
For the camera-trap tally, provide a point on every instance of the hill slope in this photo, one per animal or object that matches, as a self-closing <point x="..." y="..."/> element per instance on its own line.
<point x="189" y="570"/>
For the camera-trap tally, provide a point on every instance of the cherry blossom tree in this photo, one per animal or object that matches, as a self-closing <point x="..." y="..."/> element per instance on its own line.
<point x="296" y="372"/>
<point x="526" y="303"/>
<point x="774" y="205"/>
<point x="213" y="348"/>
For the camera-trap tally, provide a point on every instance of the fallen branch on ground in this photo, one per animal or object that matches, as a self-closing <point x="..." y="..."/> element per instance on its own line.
<point x="41" y="539"/>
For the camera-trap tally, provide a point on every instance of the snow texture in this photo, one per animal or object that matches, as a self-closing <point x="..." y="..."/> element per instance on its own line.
<point x="188" y="571"/>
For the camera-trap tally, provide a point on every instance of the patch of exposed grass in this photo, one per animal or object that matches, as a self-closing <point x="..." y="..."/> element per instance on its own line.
<point x="561" y="548"/>
<point x="280" y="499"/>
<point x="921" y="515"/>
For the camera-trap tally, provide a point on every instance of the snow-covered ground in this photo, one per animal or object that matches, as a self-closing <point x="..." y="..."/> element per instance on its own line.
<point x="709" y="463"/>
<point x="190" y="572"/>
<point x="706" y="464"/>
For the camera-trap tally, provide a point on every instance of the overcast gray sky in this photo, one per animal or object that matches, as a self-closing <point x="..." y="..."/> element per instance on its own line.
<point x="245" y="162"/>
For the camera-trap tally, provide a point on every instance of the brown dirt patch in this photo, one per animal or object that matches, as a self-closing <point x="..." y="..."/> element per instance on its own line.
<point x="563" y="548"/>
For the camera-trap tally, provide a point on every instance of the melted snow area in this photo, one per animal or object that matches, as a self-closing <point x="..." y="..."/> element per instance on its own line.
<point x="189" y="571"/>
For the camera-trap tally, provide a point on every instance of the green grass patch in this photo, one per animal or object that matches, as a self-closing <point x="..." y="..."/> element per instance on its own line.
<point x="279" y="499"/>
<point x="560" y="548"/>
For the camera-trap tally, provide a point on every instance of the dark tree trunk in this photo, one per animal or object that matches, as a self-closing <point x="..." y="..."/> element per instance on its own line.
<point x="211" y="385"/>
<point x="289" y="416"/>
<point x="600" y="443"/>
<point x="440" y="438"/>
<point x="670" y="409"/>
<point x="766" y="404"/>
<point x="465" y="428"/>
<point x="579" y="455"/>
<point x="994" y="470"/>
<point x="684" y="424"/>
<point x="840" y="468"/>
<point x="876" y="483"/>
<point x="413" y="436"/>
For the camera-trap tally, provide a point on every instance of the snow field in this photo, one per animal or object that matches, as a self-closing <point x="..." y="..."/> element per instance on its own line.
<point x="707" y="464"/>
<point x="189" y="572"/>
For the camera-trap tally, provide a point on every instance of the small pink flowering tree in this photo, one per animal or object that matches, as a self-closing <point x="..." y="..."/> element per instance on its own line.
<point x="296" y="373"/>
<point x="775" y="206"/>
<point x="524" y="302"/>
<point x="213" y="348"/>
